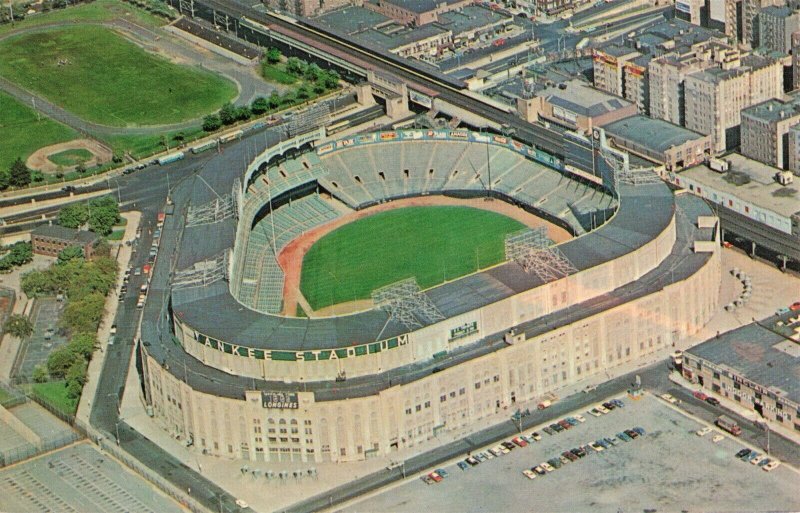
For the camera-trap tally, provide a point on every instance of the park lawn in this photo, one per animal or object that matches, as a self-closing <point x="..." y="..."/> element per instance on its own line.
<point x="102" y="77"/>
<point x="21" y="133"/>
<point x="277" y="73"/>
<point x="97" y="11"/>
<point x="55" y="394"/>
<point x="68" y="158"/>
<point x="432" y="244"/>
<point x="116" y="235"/>
<point x="140" y="146"/>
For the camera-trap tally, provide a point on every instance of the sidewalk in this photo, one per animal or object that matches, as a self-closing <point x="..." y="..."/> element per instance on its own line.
<point x="96" y="365"/>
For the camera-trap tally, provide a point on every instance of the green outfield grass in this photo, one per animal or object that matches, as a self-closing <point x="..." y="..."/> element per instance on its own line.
<point x="21" y="133"/>
<point x="102" y="77"/>
<point x="433" y="244"/>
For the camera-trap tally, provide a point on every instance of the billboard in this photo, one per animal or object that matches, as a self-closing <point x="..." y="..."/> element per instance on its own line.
<point x="280" y="400"/>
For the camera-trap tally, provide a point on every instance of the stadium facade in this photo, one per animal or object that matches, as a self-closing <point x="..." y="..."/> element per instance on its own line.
<point x="240" y="379"/>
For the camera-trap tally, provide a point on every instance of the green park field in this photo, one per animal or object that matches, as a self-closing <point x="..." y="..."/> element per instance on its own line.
<point x="102" y="77"/>
<point x="432" y="244"/>
<point x="22" y="133"/>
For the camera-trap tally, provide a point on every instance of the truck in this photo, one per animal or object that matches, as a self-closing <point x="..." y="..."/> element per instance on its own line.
<point x="199" y="148"/>
<point x="729" y="425"/>
<point x="718" y="165"/>
<point x="172" y="157"/>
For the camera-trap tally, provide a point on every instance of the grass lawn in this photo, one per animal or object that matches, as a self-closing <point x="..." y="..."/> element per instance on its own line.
<point x="70" y="157"/>
<point x="433" y="244"/>
<point x="97" y="11"/>
<point x="116" y="234"/>
<point x="22" y="134"/>
<point x="102" y="77"/>
<point x="55" y="393"/>
<point x="145" y="145"/>
<point x="277" y="73"/>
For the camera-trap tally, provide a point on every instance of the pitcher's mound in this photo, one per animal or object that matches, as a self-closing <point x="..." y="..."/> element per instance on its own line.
<point x="68" y="155"/>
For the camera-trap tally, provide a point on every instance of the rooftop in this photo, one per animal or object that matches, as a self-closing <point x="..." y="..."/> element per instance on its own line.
<point x="654" y="134"/>
<point x="418" y="6"/>
<point x="760" y="352"/>
<point x="783" y="11"/>
<point x="60" y="232"/>
<point x="580" y="98"/>
<point x="762" y="190"/>
<point x="393" y="36"/>
<point x="470" y="18"/>
<point x="352" y="20"/>
<point x="772" y="110"/>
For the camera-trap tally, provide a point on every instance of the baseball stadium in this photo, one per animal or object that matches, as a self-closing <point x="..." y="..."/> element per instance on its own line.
<point x="337" y="299"/>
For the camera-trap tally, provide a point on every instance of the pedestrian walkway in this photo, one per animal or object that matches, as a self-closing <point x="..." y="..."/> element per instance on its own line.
<point x="103" y="335"/>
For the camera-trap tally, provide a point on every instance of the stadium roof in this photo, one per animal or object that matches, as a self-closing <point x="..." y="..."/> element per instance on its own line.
<point x="761" y="352"/>
<point x="644" y="212"/>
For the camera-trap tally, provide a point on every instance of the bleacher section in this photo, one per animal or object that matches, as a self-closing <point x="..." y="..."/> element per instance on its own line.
<point x="368" y="174"/>
<point x="262" y="279"/>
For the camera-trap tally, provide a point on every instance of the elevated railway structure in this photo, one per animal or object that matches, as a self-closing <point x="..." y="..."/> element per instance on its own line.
<point x="427" y="86"/>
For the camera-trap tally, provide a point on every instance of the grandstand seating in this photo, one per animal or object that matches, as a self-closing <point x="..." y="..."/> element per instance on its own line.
<point x="423" y="166"/>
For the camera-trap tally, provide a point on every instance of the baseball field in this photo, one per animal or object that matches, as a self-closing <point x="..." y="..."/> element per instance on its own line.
<point x="433" y="244"/>
<point x="102" y="77"/>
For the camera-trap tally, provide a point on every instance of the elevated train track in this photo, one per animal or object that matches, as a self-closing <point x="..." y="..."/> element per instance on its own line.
<point x="245" y="22"/>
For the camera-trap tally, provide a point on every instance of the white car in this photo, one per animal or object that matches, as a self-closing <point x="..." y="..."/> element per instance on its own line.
<point x="594" y="413"/>
<point x="579" y="418"/>
<point x="547" y="467"/>
<point x="704" y="431"/>
<point x="530" y="474"/>
<point x="758" y="459"/>
<point x="602" y="409"/>
<point x="669" y="398"/>
<point x="772" y="465"/>
<point x="596" y="447"/>
<point x="496" y="451"/>
<point x="717" y="438"/>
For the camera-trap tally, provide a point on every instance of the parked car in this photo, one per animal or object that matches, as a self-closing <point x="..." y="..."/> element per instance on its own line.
<point x="580" y="418"/>
<point x="631" y="433"/>
<point x="564" y="424"/>
<point x="700" y="395"/>
<point x="519" y="441"/>
<point x="758" y="459"/>
<point x="579" y="452"/>
<point x="530" y="474"/>
<point x="536" y="436"/>
<point x="436" y="477"/>
<point x="442" y="472"/>
<point x="669" y="398"/>
<point x="427" y="479"/>
<point x="594" y="412"/>
<point x="508" y="445"/>
<point x="612" y="441"/>
<point x="557" y="428"/>
<point x="569" y="455"/>
<point x="717" y="438"/>
<point x="602" y="409"/>
<point x="539" y="470"/>
<point x="481" y="457"/>
<point x="555" y="462"/>
<point x="496" y="451"/>
<point x="528" y="439"/>
<point x="639" y="430"/>
<point x="597" y="447"/>
<point x="463" y="465"/>
<point x="624" y="437"/>
<point x="572" y="421"/>
<point x="547" y="467"/>
<point x="608" y="405"/>
<point x="602" y="443"/>
<point x="113" y="330"/>
<point x="618" y="403"/>
<point x="772" y="465"/>
<point x="713" y="401"/>
<point x="764" y="462"/>
<point x="743" y="453"/>
<point x="704" y="431"/>
<point x="750" y="457"/>
<point x="472" y="461"/>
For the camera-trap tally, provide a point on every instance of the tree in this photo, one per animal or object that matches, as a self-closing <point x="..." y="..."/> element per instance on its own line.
<point x="73" y="215"/>
<point x="76" y="378"/>
<point x="19" y="253"/>
<point x="68" y="253"/>
<point x="211" y="123"/>
<point x="19" y="326"/>
<point x="60" y="361"/>
<point x="313" y="72"/>
<point x="331" y="79"/>
<point x="259" y="105"/>
<point x="273" y="55"/>
<point x="5" y="179"/>
<point x="227" y="114"/>
<point x="84" y="344"/>
<point x="80" y="168"/>
<point x="84" y="314"/>
<point x="40" y="374"/>
<point x="179" y="138"/>
<point x="274" y="100"/>
<point x="243" y="113"/>
<point x="303" y="93"/>
<point x="296" y="66"/>
<point x="20" y="175"/>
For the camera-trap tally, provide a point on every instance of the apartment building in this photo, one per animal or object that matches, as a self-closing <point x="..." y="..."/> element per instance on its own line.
<point x="765" y="131"/>
<point x="776" y="26"/>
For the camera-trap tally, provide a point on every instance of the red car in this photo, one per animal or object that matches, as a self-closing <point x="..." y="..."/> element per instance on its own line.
<point x="564" y="424"/>
<point x="519" y="441"/>
<point x="795" y="306"/>
<point x="700" y="395"/>
<point x="435" y="476"/>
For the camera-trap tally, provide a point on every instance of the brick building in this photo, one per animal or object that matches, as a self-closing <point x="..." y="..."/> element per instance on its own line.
<point x="50" y="240"/>
<point x="765" y="131"/>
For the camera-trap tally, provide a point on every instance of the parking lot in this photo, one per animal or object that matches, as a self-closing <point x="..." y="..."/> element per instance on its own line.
<point x="46" y="314"/>
<point x="669" y="468"/>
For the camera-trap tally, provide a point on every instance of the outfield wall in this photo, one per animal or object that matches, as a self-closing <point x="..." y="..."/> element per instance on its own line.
<point x="303" y="428"/>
